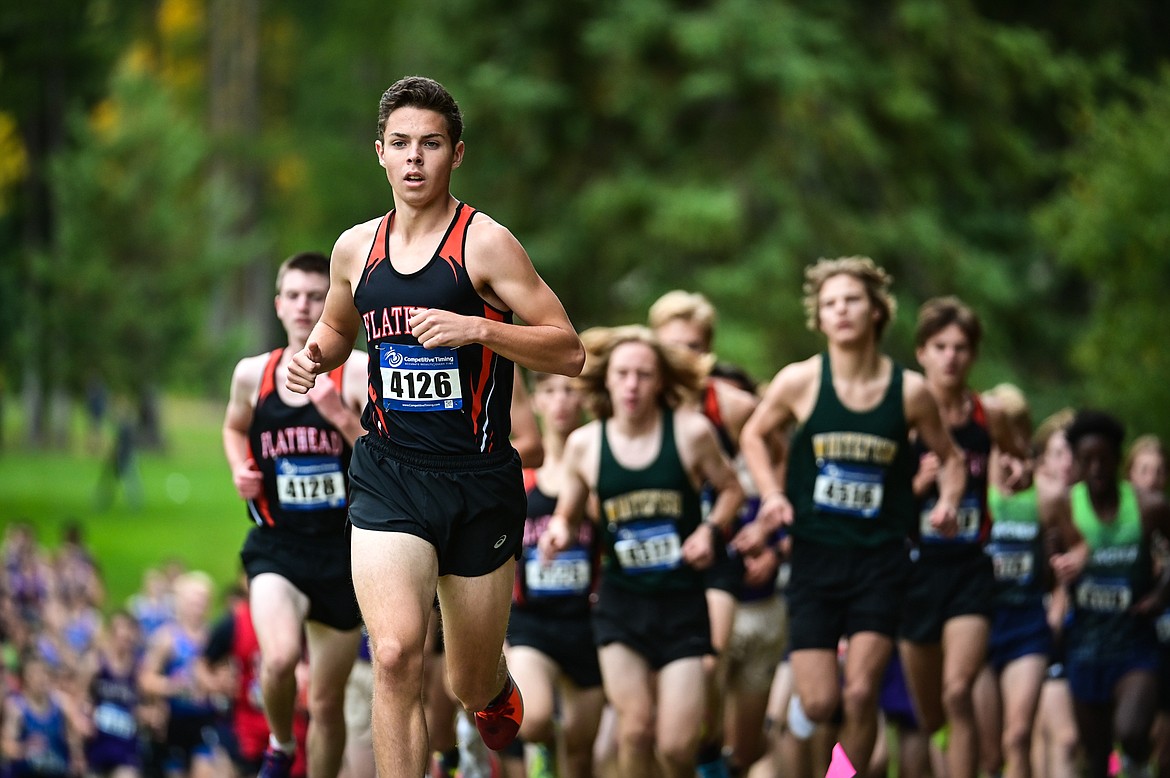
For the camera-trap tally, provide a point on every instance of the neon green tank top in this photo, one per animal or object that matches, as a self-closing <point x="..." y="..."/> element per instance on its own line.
<point x="1015" y="547"/>
<point x="1118" y="570"/>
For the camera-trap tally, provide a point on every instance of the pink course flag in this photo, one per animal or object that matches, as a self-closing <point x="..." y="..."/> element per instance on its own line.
<point x="840" y="766"/>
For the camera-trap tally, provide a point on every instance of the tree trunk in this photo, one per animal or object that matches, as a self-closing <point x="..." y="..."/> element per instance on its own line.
<point x="245" y="296"/>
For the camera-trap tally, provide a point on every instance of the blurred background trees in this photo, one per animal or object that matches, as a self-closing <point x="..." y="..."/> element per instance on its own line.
<point x="159" y="158"/>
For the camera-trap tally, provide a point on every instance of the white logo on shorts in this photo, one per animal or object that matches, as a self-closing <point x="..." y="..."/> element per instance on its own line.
<point x="500" y="542"/>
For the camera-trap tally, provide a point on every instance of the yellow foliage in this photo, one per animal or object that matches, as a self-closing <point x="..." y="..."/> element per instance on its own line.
<point x="289" y="174"/>
<point x="178" y="18"/>
<point x="139" y="59"/>
<point x="104" y="118"/>
<point x="13" y="158"/>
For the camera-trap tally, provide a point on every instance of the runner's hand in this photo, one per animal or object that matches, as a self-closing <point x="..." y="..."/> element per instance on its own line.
<point x="698" y="550"/>
<point x="554" y="539"/>
<point x="248" y="479"/>
<point x="775" y="511"/>
<point x="304" y="368"/>
<point x="759" y="569"/>
<point x="944" y="520"/>
<point x="435" y="328"/>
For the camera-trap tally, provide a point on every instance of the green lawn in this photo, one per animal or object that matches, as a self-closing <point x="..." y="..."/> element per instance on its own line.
<point x="189" y="509"/>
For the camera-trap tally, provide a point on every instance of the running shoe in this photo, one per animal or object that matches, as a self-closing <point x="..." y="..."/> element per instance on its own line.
<point x="499" y="722"/>
<point x="276" y="764"/>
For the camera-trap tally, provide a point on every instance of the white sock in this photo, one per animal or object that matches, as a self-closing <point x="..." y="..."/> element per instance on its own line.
<point x="799" y="724"/>
<point x="288" y="748"/>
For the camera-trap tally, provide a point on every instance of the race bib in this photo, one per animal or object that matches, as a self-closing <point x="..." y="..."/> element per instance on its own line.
<point x="419" y="379"/>
<point x="115" y="721"/>
<point x="853" y="490"/>
<point x="567" y="574"/>
<point x="967" y="516"/>
<point x="644" y="548"/>
<point x="310" y="483"/>
<point x="1104" y="595"/>
<point x="1013" y="566"/>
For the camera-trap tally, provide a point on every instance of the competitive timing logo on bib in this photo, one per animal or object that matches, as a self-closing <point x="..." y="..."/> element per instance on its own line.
<point x="417" y="358"/>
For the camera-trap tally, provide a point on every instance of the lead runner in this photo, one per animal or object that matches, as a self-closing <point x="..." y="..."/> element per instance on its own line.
<point x="438" y="497"/>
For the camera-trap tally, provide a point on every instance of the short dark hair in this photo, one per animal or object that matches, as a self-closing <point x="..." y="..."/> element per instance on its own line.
<point x="938" y="313"/>
<point x="306" y="262"/>
<point x="734" y="374"/>
<point x="425" y="93"/>
<point x="1094" y="422"/>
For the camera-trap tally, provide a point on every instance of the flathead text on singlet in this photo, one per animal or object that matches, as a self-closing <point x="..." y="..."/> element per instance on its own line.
<point x="389" y="321"/>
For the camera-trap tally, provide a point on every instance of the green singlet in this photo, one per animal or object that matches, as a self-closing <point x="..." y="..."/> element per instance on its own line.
<point x="1118" y="574"/>
<point x="1015" y="547"/>
<point x="849" y="473"/>
<point x="646" y="515"/>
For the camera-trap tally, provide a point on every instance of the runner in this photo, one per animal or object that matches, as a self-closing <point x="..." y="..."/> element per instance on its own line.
<point x="947" y="609"/>
<point x="112" y="686"/>
<point x="1112" y="647"/>
<point x="550" y="633"/>
<point x="1055" y="741"/>
<point x="39" y="739"/>
<point x="644" y="459"/>
<point x="1020" y="643"/>
<point x="848" y="495"/>
<point x="288" y="456"/>
<point x="168" y="672"/>
<point x="438" y="493"/>
<point x="687" y="320"/>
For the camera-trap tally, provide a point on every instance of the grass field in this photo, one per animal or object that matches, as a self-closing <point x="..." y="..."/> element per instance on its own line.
<point x="189" y="509"/>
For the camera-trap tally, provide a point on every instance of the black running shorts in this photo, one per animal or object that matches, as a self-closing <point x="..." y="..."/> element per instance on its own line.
<point x="661" y="626"/>
<point x="944" y="586"/>
<point x="835" y="592"/>
<point x="317" y="565"/>
<point x="567" y="641"/>
<point x="470" y="508"/>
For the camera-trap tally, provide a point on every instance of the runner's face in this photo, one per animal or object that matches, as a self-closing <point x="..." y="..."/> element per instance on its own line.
<point x="1096" y="463"/>
<point x="634" y="380"/>
<point x="300" y="302"/>
<point x="37" y="679"/>
<point x="685" y="334"/>
<point x="418" y="155"/>
<point x="192" y="602"/>
<point x="1057" y="459"/>
<point x="844" y="311"/>
<point x="1148" y="471"/>
<point x="558" y="403"/>
<point x="124" y="632"/>
<point x="946" y="358"/>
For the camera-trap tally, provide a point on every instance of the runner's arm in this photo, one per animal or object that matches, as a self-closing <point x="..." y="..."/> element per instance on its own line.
<point x="765" y="460"/>
<point x="331" y="341"/>
<point x="236" y="423"/>
<point x="503" y="274"/>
